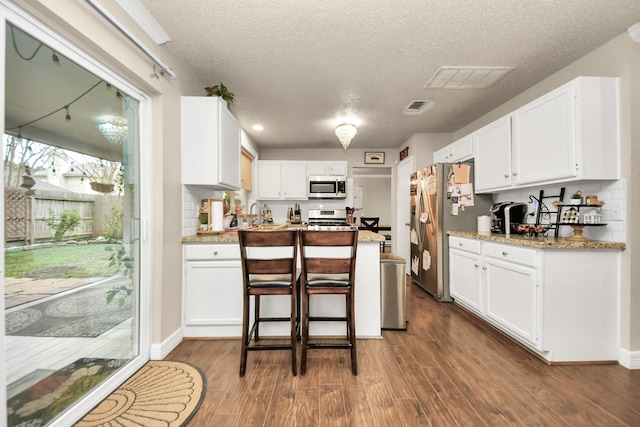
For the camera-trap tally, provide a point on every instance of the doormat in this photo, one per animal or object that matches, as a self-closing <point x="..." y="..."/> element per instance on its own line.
<point x="161" y="393"/>
<point x="84" y="313"/>
<point x="43" y="401"/>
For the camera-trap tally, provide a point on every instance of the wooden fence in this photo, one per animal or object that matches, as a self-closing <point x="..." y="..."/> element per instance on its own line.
<point x="25" y="215"/>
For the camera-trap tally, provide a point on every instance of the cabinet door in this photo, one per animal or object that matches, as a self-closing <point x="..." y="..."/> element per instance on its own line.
<point x="294" y="183"/>
<point x="461" y="149"/>
<point x="269" y="180"/>
<point x="544" y="138"/>
<point x="493" y="155"/>
<point x="441" y="156"/>
<point x="246" y="171"/>
<point x="229" y="149"/>
<point x="465" y="279"/>
<point x="512" y="298"/>
<point x="213" y="296"/>
<point x="338" y="168"/>
<point x="317" y="168"/>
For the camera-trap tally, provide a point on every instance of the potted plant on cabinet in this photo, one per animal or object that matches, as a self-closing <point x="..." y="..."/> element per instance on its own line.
<point x="221" y="91"/>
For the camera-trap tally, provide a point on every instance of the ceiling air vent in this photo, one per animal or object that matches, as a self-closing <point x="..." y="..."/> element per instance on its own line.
<point x="466" y="77"/>
<point x="418" y="107"/>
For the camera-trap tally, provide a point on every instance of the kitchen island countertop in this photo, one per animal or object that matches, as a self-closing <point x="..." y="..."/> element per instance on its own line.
<point x="540" y="242"/>
<point x="232" y="237"/>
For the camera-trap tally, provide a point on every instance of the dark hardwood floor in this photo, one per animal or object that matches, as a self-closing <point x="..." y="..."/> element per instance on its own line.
<point x="447" y="369"/>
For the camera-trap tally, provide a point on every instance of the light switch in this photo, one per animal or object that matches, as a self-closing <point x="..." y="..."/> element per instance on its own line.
<point x="617" y="211"/>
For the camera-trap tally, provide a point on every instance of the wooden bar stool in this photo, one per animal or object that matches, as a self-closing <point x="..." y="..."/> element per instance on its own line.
<point x="328" y="260"/>
<point x="268" y="268"/>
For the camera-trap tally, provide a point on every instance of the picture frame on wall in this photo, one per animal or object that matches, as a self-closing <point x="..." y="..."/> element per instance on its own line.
<point x="374" y="158"/>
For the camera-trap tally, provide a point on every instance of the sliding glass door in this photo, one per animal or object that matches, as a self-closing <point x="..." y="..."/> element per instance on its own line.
<point x="72" y="228"/>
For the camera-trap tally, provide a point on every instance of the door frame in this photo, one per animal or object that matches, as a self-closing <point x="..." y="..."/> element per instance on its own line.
<point x="12" y="13"/>
<point x="401" y="240"/>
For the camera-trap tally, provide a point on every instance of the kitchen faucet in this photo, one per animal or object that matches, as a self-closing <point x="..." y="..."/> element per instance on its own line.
<point x="260" y="214"/>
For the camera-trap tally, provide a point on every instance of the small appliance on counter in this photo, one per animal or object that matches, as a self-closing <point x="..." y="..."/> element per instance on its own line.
<point x="507" y="215"/>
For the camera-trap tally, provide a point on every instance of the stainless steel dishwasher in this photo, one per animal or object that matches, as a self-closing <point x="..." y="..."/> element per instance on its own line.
<point x="393" y="292"/>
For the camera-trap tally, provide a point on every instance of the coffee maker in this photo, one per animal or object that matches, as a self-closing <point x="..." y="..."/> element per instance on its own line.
<point x="504" y="214"/>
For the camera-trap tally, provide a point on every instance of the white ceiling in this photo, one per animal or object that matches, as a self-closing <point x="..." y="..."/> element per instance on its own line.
<point x="297" y="66"/>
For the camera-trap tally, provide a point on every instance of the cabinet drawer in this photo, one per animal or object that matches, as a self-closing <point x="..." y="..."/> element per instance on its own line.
<point x="463" y="244"/>
<point x="212" y="252"/>
<point x="511" y="253"/>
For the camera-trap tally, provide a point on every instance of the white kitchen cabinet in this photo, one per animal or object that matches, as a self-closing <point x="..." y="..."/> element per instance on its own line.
<point x="457" y="151"/>
<point x="511" y="290"/>
<point x="559" y="303"/>
<point x="282" y="180"/>
<point x="569" y="134"/>
<point x="442" y="155"/>
<point x="210" y="142"/>
<point x="465" y="273"/>
<point x="212" y="291"/>
<point x="327" y="168"/>
<point x="493" y="155"/>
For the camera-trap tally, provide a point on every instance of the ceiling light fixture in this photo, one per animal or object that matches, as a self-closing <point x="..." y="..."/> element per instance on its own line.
<point x="258" y="127"/>
<point x="345" y="133"/>
<point x="115" y="131"/>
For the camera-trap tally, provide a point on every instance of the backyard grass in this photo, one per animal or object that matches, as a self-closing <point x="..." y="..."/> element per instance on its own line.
<point x="61" y="262"/>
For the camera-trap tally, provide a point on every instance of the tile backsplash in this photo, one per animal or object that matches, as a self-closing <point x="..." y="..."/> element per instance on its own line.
<point x="191" y="197"/>
<point x="613" y="193"/>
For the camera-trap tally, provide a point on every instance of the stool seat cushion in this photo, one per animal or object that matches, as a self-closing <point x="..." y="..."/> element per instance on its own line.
<point x="269" y="280"/>
<point x="328" y="280"/>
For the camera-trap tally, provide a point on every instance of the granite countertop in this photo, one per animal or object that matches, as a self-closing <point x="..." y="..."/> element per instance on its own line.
<point x="540" y="242"/>
<point x="232" y="237"/>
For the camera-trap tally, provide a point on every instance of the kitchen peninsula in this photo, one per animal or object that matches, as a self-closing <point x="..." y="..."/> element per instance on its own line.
<point x="558" y="298"/>
<point x="212" y="291"/>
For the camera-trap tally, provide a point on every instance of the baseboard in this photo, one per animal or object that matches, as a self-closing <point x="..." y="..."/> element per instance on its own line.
<point x="160" y="351"/>
<point x="629" y="359"/>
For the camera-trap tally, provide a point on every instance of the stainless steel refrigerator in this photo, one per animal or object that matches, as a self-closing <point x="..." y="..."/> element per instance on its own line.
<point x="442" y="199"/>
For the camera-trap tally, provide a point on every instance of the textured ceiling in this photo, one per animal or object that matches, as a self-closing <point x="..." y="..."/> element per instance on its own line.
<point x="297" y="66"/>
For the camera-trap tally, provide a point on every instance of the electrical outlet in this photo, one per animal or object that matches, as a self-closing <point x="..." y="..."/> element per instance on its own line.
<point x="617" y="211"/>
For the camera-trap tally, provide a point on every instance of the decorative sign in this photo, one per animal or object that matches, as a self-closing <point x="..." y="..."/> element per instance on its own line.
<point x="374" y="158"/>
<point x="404" y="153"/>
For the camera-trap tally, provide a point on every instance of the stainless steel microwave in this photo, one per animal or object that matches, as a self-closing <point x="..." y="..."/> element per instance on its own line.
<point x="327" y="187"/>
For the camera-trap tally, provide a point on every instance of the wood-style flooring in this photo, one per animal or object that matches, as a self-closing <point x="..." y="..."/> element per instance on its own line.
<point x="446" y="369"/>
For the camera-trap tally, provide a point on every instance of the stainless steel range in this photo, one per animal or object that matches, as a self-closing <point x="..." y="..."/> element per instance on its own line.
<point x="328" y="219"/>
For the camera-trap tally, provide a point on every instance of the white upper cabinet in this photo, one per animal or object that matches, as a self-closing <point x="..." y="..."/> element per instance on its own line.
<point x="210" y="143"/>
<point x="568" y="134"/>
<point x="493" y="155"/>
<point x="327" y="168"/>
<point x="457" y="151"/>
<point x="279" y="180"/>
<point x="544" y="138"/>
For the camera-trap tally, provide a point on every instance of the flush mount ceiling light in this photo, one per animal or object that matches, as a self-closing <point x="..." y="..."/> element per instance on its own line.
<point x="345" y="133"/>
<point x="115" y="131"/>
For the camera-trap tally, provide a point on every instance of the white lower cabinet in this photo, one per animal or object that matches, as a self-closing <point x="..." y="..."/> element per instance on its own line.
<point x="465" y="278"/>
<point x="212" y="293"/>
<point x="512" y="292"/>
<point x="560" y="303"/>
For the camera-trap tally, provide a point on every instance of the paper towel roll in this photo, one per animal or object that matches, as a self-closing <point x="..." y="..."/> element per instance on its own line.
<point x="484" y="224"/>
<point x="217" y="215"/>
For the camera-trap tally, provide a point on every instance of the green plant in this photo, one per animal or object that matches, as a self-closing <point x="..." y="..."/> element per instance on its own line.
<point x="118" y="256"/>
<point x="68" y="221"/>
<point x="203" y="219"/>
<point x="112" y="229"/>
<point x="221" y="91"/>
<point x="577" y="195"/>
